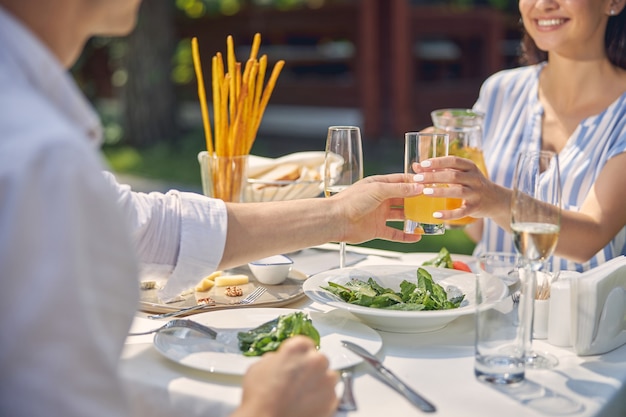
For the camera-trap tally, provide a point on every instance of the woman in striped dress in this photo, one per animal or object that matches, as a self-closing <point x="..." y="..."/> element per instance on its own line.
<point x="571" y="99"/>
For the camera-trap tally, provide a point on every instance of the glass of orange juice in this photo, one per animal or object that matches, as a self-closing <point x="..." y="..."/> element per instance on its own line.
<point x="465" y="127"/>
<point x="418" y="211"/>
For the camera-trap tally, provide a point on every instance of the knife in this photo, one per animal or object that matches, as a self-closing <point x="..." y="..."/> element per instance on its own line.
<point x="391" y="379"/>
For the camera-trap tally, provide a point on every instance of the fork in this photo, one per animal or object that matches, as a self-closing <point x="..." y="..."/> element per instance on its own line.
<point x="347" y="401"/>
<point x="515" y="297"/>
<point x="189" y="324"/>
<point x="251" y="298"/>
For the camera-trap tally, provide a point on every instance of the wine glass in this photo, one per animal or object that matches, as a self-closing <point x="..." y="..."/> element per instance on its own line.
<point x="535" y="222"/>
<point x="343" y="165"/>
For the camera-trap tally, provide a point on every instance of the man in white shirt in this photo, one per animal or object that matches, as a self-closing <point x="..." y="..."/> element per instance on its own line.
<point x="71" y="238"/>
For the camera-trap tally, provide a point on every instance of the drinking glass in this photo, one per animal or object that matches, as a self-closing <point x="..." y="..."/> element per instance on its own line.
<point x="223" y="177"/>
<point x="343" y="165"/>
<point x="465" y="128"/>
<point x="503" y="265"/>
<point x="418" y="211"/>
<point x="499" y="344"/>
<point x="536" y="223"/>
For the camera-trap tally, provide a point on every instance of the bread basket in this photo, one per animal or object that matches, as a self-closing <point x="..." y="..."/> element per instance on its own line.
<point x="290" y="177"/>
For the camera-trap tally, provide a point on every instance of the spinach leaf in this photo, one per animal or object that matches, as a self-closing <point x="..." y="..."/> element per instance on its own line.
<point x="423" y="294"/>
<point x="268" y="336"/>
<point x="442" y="260"/>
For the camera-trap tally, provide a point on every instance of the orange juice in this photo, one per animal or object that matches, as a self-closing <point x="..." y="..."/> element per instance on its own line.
<point x="475" y="155"/>
<point x="418" y="214"/>
<point x="418" y="211"/>
<point x="421" y="208"/>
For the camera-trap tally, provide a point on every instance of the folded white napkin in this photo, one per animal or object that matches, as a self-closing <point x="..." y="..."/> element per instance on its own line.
<point x="599" y="308"/>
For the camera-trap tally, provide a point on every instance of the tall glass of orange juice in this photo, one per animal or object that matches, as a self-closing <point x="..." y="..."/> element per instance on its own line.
<point x="465" y="127"/>
<point x="418" y="211"/>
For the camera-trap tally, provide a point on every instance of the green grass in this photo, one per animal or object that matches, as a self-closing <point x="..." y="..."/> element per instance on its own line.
<point x="176" y="164"/>
<point x="179" y="165"/>
<point x="455" y="240"/>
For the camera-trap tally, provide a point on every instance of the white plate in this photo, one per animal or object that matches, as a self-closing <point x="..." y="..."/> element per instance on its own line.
<point x="390" y="276"/>
<point x="223" y="356"/>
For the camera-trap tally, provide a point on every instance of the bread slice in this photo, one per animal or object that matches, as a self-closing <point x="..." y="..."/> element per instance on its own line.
<point x="283" y="172"/>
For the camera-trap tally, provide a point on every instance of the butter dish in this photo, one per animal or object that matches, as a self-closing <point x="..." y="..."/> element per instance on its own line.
<point x="598" y="299"/>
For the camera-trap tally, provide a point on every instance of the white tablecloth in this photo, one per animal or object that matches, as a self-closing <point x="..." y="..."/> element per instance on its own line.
<point x="439" y="365"/>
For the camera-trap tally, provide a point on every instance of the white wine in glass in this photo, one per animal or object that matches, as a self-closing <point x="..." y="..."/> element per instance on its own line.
<point x="535" y="240"/>
<point x="536" y="223"/>
<point x="343" y="165"/>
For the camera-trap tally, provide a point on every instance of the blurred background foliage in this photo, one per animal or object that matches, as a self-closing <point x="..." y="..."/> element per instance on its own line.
<point x="199" y="8"/>
<point x="140" y="83"/>
<point x="154" y="65"/>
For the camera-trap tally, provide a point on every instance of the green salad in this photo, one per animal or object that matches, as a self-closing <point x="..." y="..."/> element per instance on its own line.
<point x="424" y="294"/>
<point x="268" y="336"/>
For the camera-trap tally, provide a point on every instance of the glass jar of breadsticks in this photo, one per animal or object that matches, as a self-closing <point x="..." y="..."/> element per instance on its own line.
<point x="240" y="95"/>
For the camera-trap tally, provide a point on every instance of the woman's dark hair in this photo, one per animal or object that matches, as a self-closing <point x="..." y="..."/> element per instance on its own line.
<point x="614" y="41"/>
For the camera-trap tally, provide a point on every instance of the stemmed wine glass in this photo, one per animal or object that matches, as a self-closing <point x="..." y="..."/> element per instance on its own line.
<point x="343" y="165"/>
<point x="536" y="223"/>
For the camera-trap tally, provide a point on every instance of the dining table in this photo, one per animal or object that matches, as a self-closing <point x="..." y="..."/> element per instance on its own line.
<point x="437" y="364"/>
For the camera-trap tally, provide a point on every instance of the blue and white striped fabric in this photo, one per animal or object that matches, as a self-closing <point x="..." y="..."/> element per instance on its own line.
<point x="513" y="112"/>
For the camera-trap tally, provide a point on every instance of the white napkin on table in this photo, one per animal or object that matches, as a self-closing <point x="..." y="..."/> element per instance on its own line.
<point x="312" y="261"/>
<point x="598" y="299"/>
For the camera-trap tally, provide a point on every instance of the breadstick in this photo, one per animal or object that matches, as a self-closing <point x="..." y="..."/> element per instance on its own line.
<point x="268" y="92"/>
<point x="230" y="56"/>
<point x="202" y="94"/>
<point x="256" y="43"/>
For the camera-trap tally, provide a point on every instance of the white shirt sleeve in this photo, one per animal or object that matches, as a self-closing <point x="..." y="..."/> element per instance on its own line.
<point x="183" y="231"/>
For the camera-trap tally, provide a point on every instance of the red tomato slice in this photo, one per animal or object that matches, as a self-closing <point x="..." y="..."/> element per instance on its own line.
<point x="461" y="266"/>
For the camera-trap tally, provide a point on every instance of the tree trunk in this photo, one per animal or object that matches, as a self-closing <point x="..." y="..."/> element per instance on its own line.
<point x="148" y="98"/>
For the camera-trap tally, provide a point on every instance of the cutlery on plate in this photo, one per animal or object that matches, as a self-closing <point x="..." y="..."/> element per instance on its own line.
<point x="252" y="297"/>
<point x="390" y="378"/>
<point x="515" y="297"/>
<point x="347" y="401"/>
<point x="188" y="324"/>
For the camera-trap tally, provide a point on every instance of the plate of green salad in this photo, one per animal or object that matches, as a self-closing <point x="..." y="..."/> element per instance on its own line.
<point x="400" y="298"/>
<point x="244" y="335"/>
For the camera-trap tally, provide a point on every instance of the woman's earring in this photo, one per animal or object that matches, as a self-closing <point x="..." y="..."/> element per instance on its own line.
<point x="612" y="12"/>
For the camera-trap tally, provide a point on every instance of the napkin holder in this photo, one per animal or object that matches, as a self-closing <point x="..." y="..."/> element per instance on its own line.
<point x="598" y="299"/>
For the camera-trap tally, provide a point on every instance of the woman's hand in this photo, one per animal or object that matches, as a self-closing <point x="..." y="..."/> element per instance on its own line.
<point x="481" y="197"/>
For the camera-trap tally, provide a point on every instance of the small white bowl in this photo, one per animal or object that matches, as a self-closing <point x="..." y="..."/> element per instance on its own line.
<point x="272" y="270"/>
